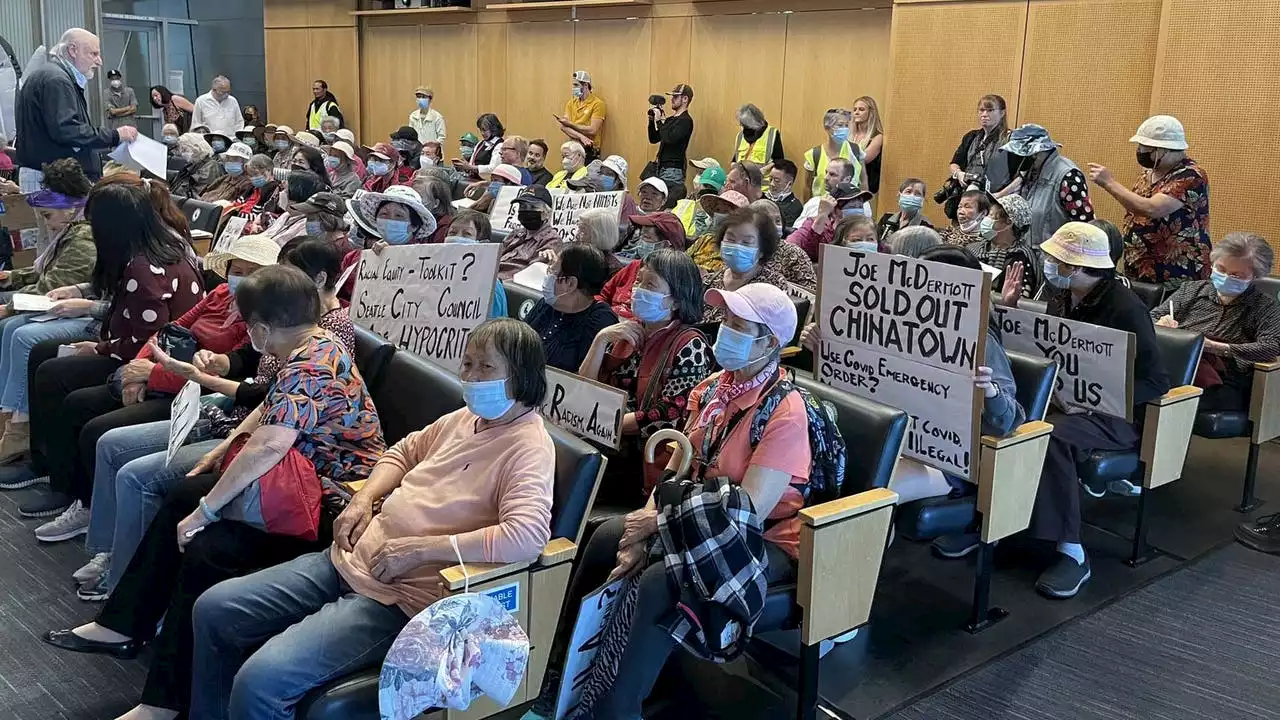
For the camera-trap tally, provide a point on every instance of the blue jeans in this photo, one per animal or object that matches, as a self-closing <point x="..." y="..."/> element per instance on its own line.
<point x="16" y="341"/>
<point x="130" y="481"/>
<point x="312" y="628"/>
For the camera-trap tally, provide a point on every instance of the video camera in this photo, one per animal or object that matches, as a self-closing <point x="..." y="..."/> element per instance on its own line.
<point x="658" y="101"/>
<point x="949" y="194"/>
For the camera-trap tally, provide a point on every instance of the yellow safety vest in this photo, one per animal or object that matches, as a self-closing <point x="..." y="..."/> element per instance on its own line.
<point x="685" y="210"/>
<point x="318" y="115"/>
<point x="818" y="158"/>
<point x="559" y="179"/>
<point x="759" y="152"/>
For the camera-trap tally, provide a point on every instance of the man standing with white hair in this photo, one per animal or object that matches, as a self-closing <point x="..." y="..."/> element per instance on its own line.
<point x="53" y="116"/>
<point x="218" y="109"/>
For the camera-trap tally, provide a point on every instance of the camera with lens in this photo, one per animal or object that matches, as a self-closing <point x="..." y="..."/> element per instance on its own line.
<point x="658" y="101"/>
<point x="949" y="194"/>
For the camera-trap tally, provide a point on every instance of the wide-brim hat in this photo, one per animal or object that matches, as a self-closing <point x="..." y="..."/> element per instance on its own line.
<point x="1029" y="140"/>
<point x="1080" y="244"/>
<point x="727" y="201"/>
<point x="258" y="249"/>
<point x="365" y="208"/>
<point x="210" y="137"/>
<point x="1161" y="131"/>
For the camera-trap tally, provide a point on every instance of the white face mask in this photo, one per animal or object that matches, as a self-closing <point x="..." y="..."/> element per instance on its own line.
<point x="259" y="347"/>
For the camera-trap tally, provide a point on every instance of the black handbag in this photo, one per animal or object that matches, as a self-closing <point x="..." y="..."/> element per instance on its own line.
<point x="178" y="342"/>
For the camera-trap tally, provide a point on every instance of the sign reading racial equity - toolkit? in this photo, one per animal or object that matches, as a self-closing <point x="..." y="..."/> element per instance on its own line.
<point x="910" y="334"/>
<point x="1095" y="363"/>
<point x="426" y="299"/>
<point x="567" y="207"/>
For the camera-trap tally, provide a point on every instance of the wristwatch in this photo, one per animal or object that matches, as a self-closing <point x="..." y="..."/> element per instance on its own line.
<point x="209" y="514"/>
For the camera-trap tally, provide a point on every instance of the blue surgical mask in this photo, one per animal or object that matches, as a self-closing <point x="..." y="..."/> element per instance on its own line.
<point x="1227" y="285"/>
<point x="281" y="144"/>
<point x="259" y="181"/>
<point x="1052" y="277"/>
<point x="233" y="168"/>
<point x="251" y="142"/>
<point x="233" y="281"/>
<point x="377" y="167"/>
<point x="394" y="232"/>
<point x="840" y="134"/>
<point x="733" y="348"/>
<point x="466" y="151"/>
<point x="648" y="306"/>
<point x="332" y="162"/>
<point x="487" y="398"/>
<point x="579" y="92"/>
<point x="314" y="228"/>
<point x="643" y="249"/>
<point x="81" y="79"/>
<point x="987" y="228"/>
<point x="739" y="258"/>
<point x="865" y="246"/>
<point x="424" y="103"/>
<point x="607" y="182"/>
<point x="494" y="188"/>
<point x="169" y="139"/>
<point x="218" y="146"/>
<point x="460" y="240"/>
<point x="910" y="204"/>
<point x="850" y="210"/>
<point x="549" y="295"/>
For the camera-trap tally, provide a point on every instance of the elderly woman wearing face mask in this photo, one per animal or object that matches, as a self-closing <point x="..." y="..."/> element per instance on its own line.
<point x="654" y="232"/>
<point x="201" y="168"/>
<point x="748" y="242"/>
<point x="384" y="169"/>
<point x="169" y="136"/>
<point x="398" y="216"/>
<point x="967" y="229"/>
<point x="573" y="162"/>
<point x="340" y="170"/>
<point x="234" y="181"/>
<point x="536" y="233"/>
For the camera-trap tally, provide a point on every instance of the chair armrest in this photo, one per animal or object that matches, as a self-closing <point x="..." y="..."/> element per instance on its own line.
<point x="863" y="502"/>
<point x="479" y="573"/>
<point x="1023" y="433"/>
<point x="1264" y="402"/>
<point x="1166" y="434"/>
<point x="557" y="551"/>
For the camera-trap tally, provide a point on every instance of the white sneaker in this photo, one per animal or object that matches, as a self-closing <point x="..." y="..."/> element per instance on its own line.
<point x="1124" y="488"/>
<point x="826" y="646"/>
<point x="72" y="522"/>
<point x="93" y="570"/>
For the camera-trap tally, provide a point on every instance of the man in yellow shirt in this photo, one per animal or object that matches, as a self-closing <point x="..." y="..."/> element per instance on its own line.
<point x="583" y="118"/>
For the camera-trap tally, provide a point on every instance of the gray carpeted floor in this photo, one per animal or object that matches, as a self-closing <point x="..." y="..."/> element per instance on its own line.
<point x="1203" y="642"/>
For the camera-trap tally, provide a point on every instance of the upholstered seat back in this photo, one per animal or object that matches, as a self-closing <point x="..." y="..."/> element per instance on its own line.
<point x="1033" y="377"/>
<point x="412" y="394"/>
<point x="1179" y="353"/>
<point x="372" y="354"/>
<point x="872" y="432"/>
<point x="200" y="215"/>
<point x="520" y="299"/>
<point x="1150" y="294"/>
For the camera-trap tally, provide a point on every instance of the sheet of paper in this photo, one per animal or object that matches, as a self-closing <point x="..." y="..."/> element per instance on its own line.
<point x="66" y="350"/>
<point x="183" y="414"/>
<point x="230" y="233"/>
<point x="143" y="154"/>
<point x="42" y="317"/>
<point x="25" y="302"/>
<point x="994" y="272"/>
<point x="531" y="277"/>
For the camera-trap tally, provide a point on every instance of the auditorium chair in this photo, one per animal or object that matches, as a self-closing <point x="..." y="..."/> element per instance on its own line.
<point x="459" y="188"/>
<point x="520" y="299"/>
<point x="841" y="542"/>
<point x="1150" y="294"/>
<point x="200" y="215"/>
<point x="411" y="394"/>
<point x="1260" y="423"/>
<point x="372" y="354"/>
<point x="1008" y="475"/>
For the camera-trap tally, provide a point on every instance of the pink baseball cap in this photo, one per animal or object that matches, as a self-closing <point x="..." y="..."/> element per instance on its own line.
<point x="760" y="303"/>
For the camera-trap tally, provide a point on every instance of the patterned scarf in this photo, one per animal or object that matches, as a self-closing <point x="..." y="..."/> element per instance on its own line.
<point x="727" y="389"/>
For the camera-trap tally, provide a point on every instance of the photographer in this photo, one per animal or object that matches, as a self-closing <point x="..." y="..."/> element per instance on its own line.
<point x="671" y="133"/>
<point x="979" y="155"/>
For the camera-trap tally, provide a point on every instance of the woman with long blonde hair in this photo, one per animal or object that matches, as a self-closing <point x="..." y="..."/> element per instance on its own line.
<point x="867" y="131"/>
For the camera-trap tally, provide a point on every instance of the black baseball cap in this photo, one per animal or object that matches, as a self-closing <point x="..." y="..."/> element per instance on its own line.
<point x="405" y="133"/>
<point x="682" y="89"/>
<point x="534" y="195"/>
<point x="113" y="73"/>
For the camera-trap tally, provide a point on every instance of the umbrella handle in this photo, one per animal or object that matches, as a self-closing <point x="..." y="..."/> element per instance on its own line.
<point x="686" y="448"/>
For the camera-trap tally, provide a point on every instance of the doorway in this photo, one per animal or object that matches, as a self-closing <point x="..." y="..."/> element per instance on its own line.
<point x="149" y="51"/>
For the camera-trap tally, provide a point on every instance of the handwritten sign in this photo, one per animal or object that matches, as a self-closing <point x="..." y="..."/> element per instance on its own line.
<point x="567" y="207"/>
<point x="1095" y="363"/>
<point x="590" y="410"/>
<point x="426" y="298"/>
<point x="230" y="233"/>
<point x="184" y="411"/>
<point x="583" y="644"/>
<point x="910" y="334"/>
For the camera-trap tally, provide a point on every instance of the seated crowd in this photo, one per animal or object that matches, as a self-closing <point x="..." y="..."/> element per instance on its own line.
<point x="243" y="621"/>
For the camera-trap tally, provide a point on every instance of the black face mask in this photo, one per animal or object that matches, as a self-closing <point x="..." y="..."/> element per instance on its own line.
<point x="531" y="221"/>
<point x="1147" y="159"/>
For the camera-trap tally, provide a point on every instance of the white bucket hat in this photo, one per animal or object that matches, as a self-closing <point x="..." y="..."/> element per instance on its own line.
<point x="258" y="249"/>
<point x="618" y="165"/>
<point x="1161" y="131"/>
<point x="365" y="209"/>
<point x="238" y="150"/>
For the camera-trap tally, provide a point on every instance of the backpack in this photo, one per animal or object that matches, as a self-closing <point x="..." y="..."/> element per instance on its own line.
<point x="826" y="444"/>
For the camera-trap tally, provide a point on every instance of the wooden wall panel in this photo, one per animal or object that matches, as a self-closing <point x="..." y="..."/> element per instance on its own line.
<point x="289" y="75"/>
<point x="732" y="64"/>
<point x="831" y="82"/>
<point x="1215" y="72"/>
<point x="616" y="53"/>
<point x="285" y="13"/>
<point x="1093" y="120"/>
<point x="491" y="70"/>
<point x="938" y="73"/>
<point x="449" y="69"/>
<point x="390" y="73"/>
<point x="538" y="76"/>
<point x="331" y="13"/>
<point x="334" y="58"/>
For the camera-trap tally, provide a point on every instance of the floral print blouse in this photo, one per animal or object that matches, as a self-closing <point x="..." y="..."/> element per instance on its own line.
<point x="1174" y="248"/>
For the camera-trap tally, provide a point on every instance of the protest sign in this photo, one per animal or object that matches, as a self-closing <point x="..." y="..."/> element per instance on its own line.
<point x="1095" y="363"/>
<point x="588" y="409"/>
<point x="910" y="334"/>
<point x="184" y="411"/>
<point x="583" y="645"/>
<point x="565" y="211"/>
<point x="230" y="233"/>
<point x="426" y="298"/>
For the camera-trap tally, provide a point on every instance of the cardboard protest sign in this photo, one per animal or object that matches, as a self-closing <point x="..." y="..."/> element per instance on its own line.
<point x="583" y="645"/>
<point x="1095" y="363"/>
<point x="230" y="233"/>
<point x="184" y="411"/>
<point x="910" y="334"/>
<point x="566" y="209"/>
<point x="588" y="409"/>
<point x="426" y="298"/>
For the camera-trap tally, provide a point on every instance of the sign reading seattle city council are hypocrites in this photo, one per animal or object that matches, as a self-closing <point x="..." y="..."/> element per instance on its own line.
<point x="426" y="299"/>
<point x="910" y="334"/>
<point x="1095" y="363"/>
<point x="567" y="207"/>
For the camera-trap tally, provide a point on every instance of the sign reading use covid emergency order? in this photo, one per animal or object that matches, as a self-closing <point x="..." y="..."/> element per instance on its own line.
<point x="426" y="299"/>
<point x="910" y="334"/>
